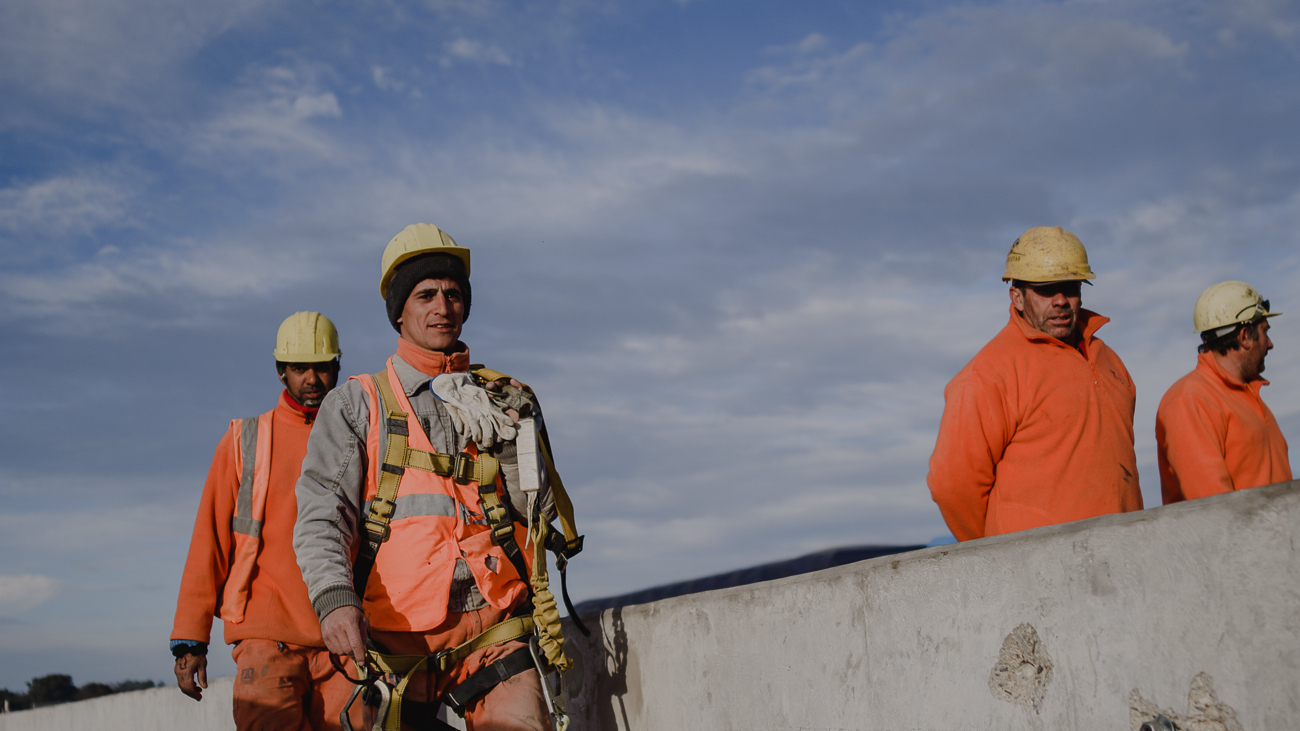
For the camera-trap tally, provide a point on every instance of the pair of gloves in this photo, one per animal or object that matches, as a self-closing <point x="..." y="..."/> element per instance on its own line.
<point x="478" y="413"/>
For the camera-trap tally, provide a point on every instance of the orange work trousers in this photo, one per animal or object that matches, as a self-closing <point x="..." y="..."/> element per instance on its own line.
<point x="284" y="687"/>
<point x="516" y="704"/>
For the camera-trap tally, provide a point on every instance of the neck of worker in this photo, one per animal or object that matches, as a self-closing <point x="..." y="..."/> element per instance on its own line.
<point x="1236" y="364"/>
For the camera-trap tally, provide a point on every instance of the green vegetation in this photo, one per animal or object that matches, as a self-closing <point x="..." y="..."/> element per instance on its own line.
<point x="52" y="689"/>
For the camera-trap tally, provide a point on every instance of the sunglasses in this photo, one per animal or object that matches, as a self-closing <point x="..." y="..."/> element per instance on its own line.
<point x="1051" y="289"/>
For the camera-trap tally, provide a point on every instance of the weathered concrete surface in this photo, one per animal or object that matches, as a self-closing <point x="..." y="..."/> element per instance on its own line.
<point x="156" y="709"/>
<point x="1081" y="620"/>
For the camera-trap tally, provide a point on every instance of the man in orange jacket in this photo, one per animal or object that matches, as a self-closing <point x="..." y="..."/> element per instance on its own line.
<point x="1214" y="433"/>
<point x="241" y="566"/>
<point x="1037" y="429"/>
<point x="434" y="566"/>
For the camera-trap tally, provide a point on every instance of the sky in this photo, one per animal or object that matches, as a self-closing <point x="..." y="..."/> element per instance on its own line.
<point x="738" y="249"/>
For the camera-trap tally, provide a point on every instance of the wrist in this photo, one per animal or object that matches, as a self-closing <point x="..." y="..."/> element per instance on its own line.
<point x="181" y="648"/>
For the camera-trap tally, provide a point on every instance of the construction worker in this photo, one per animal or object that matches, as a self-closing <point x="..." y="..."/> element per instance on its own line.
<point x="241" y="565"/>
<point x="1214" y="433"/>
<point x="442" y="571"/>
<point x="1037" y="429"/>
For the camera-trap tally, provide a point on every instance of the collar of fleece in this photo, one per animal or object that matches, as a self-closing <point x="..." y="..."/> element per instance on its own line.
<point x="431" y="362"/>
<point x="308" y="412"/>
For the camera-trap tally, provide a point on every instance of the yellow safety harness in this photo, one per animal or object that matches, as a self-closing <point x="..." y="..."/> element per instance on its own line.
<point x="542" y="626"/>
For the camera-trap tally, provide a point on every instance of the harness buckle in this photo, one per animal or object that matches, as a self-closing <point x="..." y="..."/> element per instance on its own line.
<point x="462" y="470"/>
<point x="501" y="532"/>
<point x="438" y="661"/>
<point x="382" y="535"/>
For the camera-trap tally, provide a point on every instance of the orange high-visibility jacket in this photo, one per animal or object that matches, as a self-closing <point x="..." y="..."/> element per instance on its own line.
<point x="435" y="521"/>
<point x="1035" y="432"/>
<point x="1215" y="434"/>
<point x="241" y="565"/>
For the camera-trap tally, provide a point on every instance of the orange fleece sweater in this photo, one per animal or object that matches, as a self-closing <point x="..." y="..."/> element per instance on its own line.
<point x="278" y="608"/>
<point x="1215" y="434"/>
<point x="1035" y="432"/>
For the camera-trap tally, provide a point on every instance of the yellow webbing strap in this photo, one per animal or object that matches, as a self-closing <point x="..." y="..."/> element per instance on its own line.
<point x="375" y="525"/>
<point x="546" y="615"/>
<point x="407" y="666"/>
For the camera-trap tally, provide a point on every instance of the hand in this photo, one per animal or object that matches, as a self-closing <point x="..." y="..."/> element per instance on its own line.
<point x="494" y="388"/>
<point x="344" y="632"/>
<point x="187" y="667"/>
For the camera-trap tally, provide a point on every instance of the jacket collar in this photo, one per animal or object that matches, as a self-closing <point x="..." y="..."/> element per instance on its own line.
<point x="413" y="379"/>
<point x="1212" y="364"/>
<point x="1089" y="323"/>
<point x="294" y="412"/>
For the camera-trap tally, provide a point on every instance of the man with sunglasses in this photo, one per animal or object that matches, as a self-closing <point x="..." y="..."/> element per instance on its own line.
<point x="1214" y="433"/>
<point x="1037" y="429"/>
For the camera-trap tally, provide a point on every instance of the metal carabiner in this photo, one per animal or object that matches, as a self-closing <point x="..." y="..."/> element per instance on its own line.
<point x="559" y="719"/>
<point x="385" y="696"/>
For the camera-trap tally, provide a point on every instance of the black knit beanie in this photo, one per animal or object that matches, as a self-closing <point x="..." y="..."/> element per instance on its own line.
<point x="414" y="271"/>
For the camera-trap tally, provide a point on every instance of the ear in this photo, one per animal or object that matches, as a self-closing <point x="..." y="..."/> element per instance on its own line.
<point x="1017" y="299"/>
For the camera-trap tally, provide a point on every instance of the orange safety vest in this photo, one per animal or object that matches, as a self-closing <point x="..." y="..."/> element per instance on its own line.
<point x="435" y="521"/>
<point x="253" y="463"/>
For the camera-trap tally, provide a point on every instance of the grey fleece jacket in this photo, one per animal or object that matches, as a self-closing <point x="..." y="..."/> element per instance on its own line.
<point x="332" y="485"/>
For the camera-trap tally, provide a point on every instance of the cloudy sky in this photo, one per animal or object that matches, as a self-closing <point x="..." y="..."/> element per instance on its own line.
<point x="737" y="247"/>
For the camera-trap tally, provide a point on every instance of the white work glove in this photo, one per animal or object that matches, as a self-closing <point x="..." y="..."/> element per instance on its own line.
<point x="471" y="410"/>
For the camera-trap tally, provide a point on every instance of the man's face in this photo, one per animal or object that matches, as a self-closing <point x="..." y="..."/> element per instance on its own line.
<point x="309" y="382"/>
<point x="1050" y="307"/>
<point x="433" y="314"/>
<point x="1254" y="350"/>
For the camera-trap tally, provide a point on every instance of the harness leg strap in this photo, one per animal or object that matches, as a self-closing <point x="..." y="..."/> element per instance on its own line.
<point x="486" y="679"/>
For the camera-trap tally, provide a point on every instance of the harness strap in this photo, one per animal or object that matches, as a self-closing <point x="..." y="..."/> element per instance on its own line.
<point x="487" y="678"/>
<point x="499" y="633"/>
<point x="502" y="527"/>
<point x="375" y="526"/>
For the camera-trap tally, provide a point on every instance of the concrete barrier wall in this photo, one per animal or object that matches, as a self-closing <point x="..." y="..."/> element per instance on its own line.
<point x="1099" y="624"/>
<point x="1191" y="611"/>
<point x="156" y="709"/>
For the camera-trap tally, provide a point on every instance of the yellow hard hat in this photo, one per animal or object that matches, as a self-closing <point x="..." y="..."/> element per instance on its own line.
<point x="306" y="337"/>
<point x="1047" y="254"/>
<point x="414" y="240"/>
<point x="1227" y="304"/>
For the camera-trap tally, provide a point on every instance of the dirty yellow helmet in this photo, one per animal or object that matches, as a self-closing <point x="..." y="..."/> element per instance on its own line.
<point x="306" y="337"/>
<point x="1047" y="254"/>
<point x="414" y="240"/>
<point x="1228" y="304"/>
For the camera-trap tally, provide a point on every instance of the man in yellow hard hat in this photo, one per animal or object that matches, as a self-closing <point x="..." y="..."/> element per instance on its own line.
<point x="414" y="472"/>
<point x="1037" y="429"/>
<point x="241" y="566"/>
<point x="1214" y="433"/>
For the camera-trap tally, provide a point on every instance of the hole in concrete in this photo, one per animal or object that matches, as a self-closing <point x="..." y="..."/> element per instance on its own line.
<point x="1204" y="710"/>
<point x="1023" y="669"/>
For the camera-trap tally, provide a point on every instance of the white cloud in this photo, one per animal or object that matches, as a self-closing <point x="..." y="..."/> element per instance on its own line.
<point x="24" y="591"/>
<point x="465" y="49"/>
<point x="275" y="112"/>
<point x="384" y="80"/>
<point x="76" y="204"/>
<point x="101" y="53"/>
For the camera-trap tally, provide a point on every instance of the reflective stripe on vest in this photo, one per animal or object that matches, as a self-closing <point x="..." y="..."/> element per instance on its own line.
<point x="435" y="521"/>
<point x="253" y="463"/>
